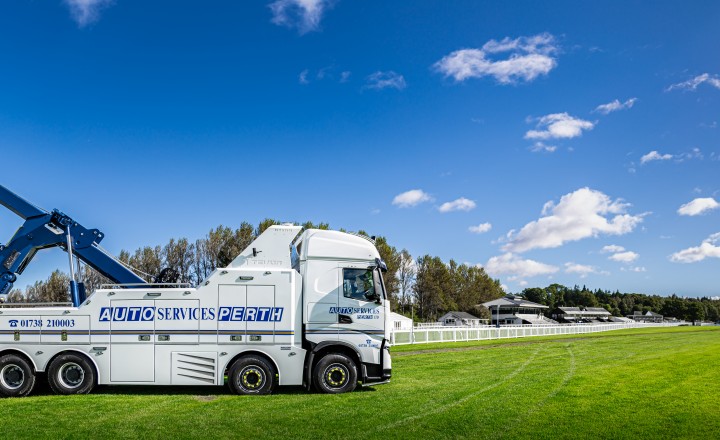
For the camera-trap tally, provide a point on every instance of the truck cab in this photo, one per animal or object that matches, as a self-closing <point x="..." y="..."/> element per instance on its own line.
<point x="346" y="310"/>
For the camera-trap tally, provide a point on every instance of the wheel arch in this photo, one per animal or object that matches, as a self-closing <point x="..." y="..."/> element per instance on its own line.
<point x="327" y="347"/>
<point x="262" y="354"/>
<point x="22" y="354"/>
<point x="336" y="347"/>
<point x="79" y="353"/>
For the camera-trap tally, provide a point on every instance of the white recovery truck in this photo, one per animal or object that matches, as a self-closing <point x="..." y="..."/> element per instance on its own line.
<point x="309" y="310"/>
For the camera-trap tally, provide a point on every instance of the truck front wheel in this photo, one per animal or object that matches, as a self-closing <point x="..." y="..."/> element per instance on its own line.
<point x="71" y="374"/>
<point x="17" y="377"/>
<point x="251" y="375"/>
<point x="335" y="373"/>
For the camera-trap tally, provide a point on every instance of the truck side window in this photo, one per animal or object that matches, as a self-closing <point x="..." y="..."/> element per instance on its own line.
<point x="295" y="257"/>
<point x="358" y="284"/>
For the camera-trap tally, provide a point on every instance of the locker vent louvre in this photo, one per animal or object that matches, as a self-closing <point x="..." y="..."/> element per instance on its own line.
<point x="195" y="367"/>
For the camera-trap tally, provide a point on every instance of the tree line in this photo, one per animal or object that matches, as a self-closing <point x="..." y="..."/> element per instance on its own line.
<point x="425" y="287"/>
<point x="624" y="304"/>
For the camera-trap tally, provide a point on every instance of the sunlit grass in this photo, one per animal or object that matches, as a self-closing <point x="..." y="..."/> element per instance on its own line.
<point x="659" y="383"/>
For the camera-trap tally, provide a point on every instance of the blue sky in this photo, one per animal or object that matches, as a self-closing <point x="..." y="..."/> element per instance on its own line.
<point x="568" y="142"/>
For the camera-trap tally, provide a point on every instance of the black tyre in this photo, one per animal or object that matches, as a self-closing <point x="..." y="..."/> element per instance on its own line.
<point x="252" y="375"/>
<point x="71" y="374"/>
<point x="335" y="373"/>
<point x="17" y="376"/>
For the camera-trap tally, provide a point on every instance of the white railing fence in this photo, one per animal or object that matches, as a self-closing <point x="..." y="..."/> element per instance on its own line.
<point x="459" y="334"/>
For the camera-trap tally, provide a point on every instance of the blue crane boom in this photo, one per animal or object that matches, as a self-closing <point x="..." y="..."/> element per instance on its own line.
<point x="43" y="230"/>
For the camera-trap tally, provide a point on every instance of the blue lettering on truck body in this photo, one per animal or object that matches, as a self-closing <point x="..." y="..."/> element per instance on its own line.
<point x="121" y="314"/>
<point x="262" y="314"/>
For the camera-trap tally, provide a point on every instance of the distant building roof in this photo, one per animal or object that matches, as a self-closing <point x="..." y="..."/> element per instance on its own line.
<point x="648" y="313"/>
<point x="461" y="315"/>
<point x="587" y="311"/>
<point x="620" y="319"/>
<point x="513" y="301"/>
<point x="398" y="317"/>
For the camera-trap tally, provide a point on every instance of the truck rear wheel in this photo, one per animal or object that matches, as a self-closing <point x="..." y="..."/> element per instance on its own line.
<point x="17" y="377"/>
<point x="71" y="374"/>
<point x="251" y="375"/>
<point x="335" y="373"/>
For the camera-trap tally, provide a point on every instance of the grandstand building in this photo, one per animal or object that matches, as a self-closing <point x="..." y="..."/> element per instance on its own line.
<point x="646" y="317"/>
<point x="516" y="310"/>
<point x="577" y="315"/>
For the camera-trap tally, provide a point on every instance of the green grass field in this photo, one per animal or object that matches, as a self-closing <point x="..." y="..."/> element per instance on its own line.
<point x="653" y="383"/>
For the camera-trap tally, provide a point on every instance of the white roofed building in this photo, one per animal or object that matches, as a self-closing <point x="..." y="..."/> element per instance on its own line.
<point x="400" y="322"/>
<point x="516" y="310"/>
<point x="461" y="319"/>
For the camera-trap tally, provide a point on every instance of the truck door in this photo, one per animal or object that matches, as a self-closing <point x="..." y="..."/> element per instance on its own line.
<point x="321" y="293"/>
<point x="247" y="314"/>
<point x="232" y="300"/>
<point x="259" y="314"/>
<point x="132" y="349"/>
<point x="360" y="310"/>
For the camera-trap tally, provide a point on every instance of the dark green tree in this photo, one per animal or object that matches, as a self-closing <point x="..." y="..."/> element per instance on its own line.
<point x="536" y="295"/>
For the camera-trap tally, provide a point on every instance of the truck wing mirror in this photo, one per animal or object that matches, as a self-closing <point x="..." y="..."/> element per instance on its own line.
<point x="381" y="264"/>
<point x="374" y="297"/>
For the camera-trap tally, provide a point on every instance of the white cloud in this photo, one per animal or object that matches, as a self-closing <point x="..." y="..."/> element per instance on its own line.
<point x="695" y="153"/>
<point x="615" y="106"/>
<point x="698" y="206"/>
<point x="461" y="204"/>
<point x="612" y="248"/>
<point x="633" y="269"/>
<point x="539" y="147"/>
<point x="384" y="80"/>
<point x="85" y="12"/>
<point x="580" y="214"/>
<point x="624" y="257"/>
<point x="302" y="78"/>
<point x="411" y="198"/>
<point x="619" y="253"/>
<point x="583" y="270"/>
<point x="654" y="155"/>
<point x="481" y="228"/>
<point x="517" y="268"/>
<point x="527" y="58"/>
<point x="327" y="73"/>
<point x="692" y="84"/>
<point x="707" y="249"/>
<point x="305" y="15"/>
<point x="559" y="126"/>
